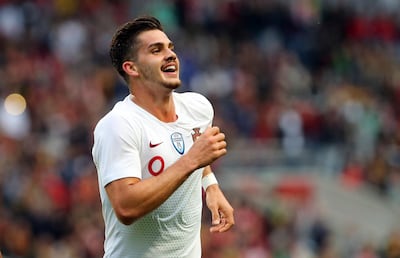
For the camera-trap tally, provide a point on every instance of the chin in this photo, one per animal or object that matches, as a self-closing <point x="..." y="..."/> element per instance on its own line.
<point x="173" y="84"/>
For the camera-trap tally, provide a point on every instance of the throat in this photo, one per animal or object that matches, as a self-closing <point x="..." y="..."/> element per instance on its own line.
<point x="164" y="111"/>
<point x="166" y="117"/>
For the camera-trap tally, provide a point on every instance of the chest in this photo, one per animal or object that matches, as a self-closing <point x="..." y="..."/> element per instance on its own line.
<point x="163" y="144"/>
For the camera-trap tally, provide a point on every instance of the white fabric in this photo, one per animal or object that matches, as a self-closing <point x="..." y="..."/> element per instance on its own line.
<point x="208" y="180"/>
<point x="122" y="149"/>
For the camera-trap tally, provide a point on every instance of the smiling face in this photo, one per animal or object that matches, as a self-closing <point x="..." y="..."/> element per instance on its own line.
<point x="156" y="61"/>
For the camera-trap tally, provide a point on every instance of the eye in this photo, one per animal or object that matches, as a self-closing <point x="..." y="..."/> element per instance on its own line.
<point x="155" y="50"/>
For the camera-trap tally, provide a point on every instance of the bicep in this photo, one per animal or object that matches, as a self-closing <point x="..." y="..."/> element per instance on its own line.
<point x="117" y="190"/>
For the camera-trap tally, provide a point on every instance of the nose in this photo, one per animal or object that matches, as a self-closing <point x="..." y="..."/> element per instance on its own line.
<point x="171" y="56"/>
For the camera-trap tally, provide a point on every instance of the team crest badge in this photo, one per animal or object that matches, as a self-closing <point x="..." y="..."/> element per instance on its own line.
<point x="177" y="141"/>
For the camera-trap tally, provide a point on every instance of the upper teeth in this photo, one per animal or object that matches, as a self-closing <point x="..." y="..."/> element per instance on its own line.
<point x="170" y="68"/>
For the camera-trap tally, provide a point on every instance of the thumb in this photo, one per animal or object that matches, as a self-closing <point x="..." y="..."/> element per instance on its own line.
<point x="215" y="217"/>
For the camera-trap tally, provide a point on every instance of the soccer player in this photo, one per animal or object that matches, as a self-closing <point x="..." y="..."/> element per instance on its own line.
<point x="153" y="152"/>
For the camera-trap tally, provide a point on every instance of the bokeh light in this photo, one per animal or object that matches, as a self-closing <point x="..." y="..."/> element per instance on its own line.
<point x="15" y="104"/>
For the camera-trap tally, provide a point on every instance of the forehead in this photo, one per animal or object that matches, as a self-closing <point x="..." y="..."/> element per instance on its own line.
<point x="151" y="37"/>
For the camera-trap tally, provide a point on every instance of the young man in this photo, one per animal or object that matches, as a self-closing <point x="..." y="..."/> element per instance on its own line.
<point x="153" y="152"/>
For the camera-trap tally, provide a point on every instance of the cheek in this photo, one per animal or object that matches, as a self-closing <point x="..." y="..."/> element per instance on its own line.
<point x="148" y="70"/>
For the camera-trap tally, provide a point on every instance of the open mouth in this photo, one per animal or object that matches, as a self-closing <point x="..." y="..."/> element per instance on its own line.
<point x="170" y="68"/>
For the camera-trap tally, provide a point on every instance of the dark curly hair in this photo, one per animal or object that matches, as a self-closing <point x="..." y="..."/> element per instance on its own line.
<point x="124" y="42"/>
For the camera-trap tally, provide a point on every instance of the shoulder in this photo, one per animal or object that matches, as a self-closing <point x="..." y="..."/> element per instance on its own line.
<point x="194" y="105"/>
<point x="114" y="115"/>
<point x="191" y="95"/>
<point x="117" y="119"/>
<point x="193" y="99"/>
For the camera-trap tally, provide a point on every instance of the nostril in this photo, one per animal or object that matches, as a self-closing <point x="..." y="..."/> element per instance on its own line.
<point x="171" y="58"/>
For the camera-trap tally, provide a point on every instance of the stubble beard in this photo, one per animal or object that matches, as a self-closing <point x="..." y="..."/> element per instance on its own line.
<point x="172" y="85"/>
<point x="155" y="77"/>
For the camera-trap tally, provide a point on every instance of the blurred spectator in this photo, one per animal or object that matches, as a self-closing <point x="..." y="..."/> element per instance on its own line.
<point x="311" y="74"/>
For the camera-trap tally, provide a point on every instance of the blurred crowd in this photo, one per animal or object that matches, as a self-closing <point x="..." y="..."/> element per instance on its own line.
<point x="303" y="73"/>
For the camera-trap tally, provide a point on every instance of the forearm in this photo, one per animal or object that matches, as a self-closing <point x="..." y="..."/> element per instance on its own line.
<point x="207" y="170"/>
<point x="133" y="198"/>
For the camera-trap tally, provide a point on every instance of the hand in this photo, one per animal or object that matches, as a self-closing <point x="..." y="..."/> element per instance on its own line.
<point x="221" y="210"/>
<point x="209" y="146"/>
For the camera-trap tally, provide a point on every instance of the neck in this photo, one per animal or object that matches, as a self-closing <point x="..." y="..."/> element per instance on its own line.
<point x="162" y="108"/>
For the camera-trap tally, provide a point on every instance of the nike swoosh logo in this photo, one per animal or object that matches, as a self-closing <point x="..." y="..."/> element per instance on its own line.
<point x="154" y="145"/>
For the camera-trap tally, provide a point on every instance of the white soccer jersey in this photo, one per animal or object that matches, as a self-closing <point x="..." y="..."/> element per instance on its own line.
<point x="130" y="142"/>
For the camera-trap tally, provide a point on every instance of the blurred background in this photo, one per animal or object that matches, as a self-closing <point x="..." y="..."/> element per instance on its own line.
<point x="307" y="92"/>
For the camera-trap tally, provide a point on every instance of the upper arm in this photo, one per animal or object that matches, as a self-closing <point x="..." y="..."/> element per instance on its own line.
<point x="118" y="194"/>
<point x="116" y="150"/>
<point x="116" y="190"/>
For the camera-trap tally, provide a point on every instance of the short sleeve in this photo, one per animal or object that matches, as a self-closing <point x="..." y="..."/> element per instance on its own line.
<point x="116" y="150"/>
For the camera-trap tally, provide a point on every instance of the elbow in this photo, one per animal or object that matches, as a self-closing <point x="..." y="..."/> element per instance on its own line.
<point x="125" y="220"/>
<point x="127" y="217"/>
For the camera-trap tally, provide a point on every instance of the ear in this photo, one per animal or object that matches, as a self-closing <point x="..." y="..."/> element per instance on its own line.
<point x="130" y="68"/>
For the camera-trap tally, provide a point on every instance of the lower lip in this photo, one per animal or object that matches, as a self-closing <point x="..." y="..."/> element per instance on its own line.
<point x="171" y="73"/>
